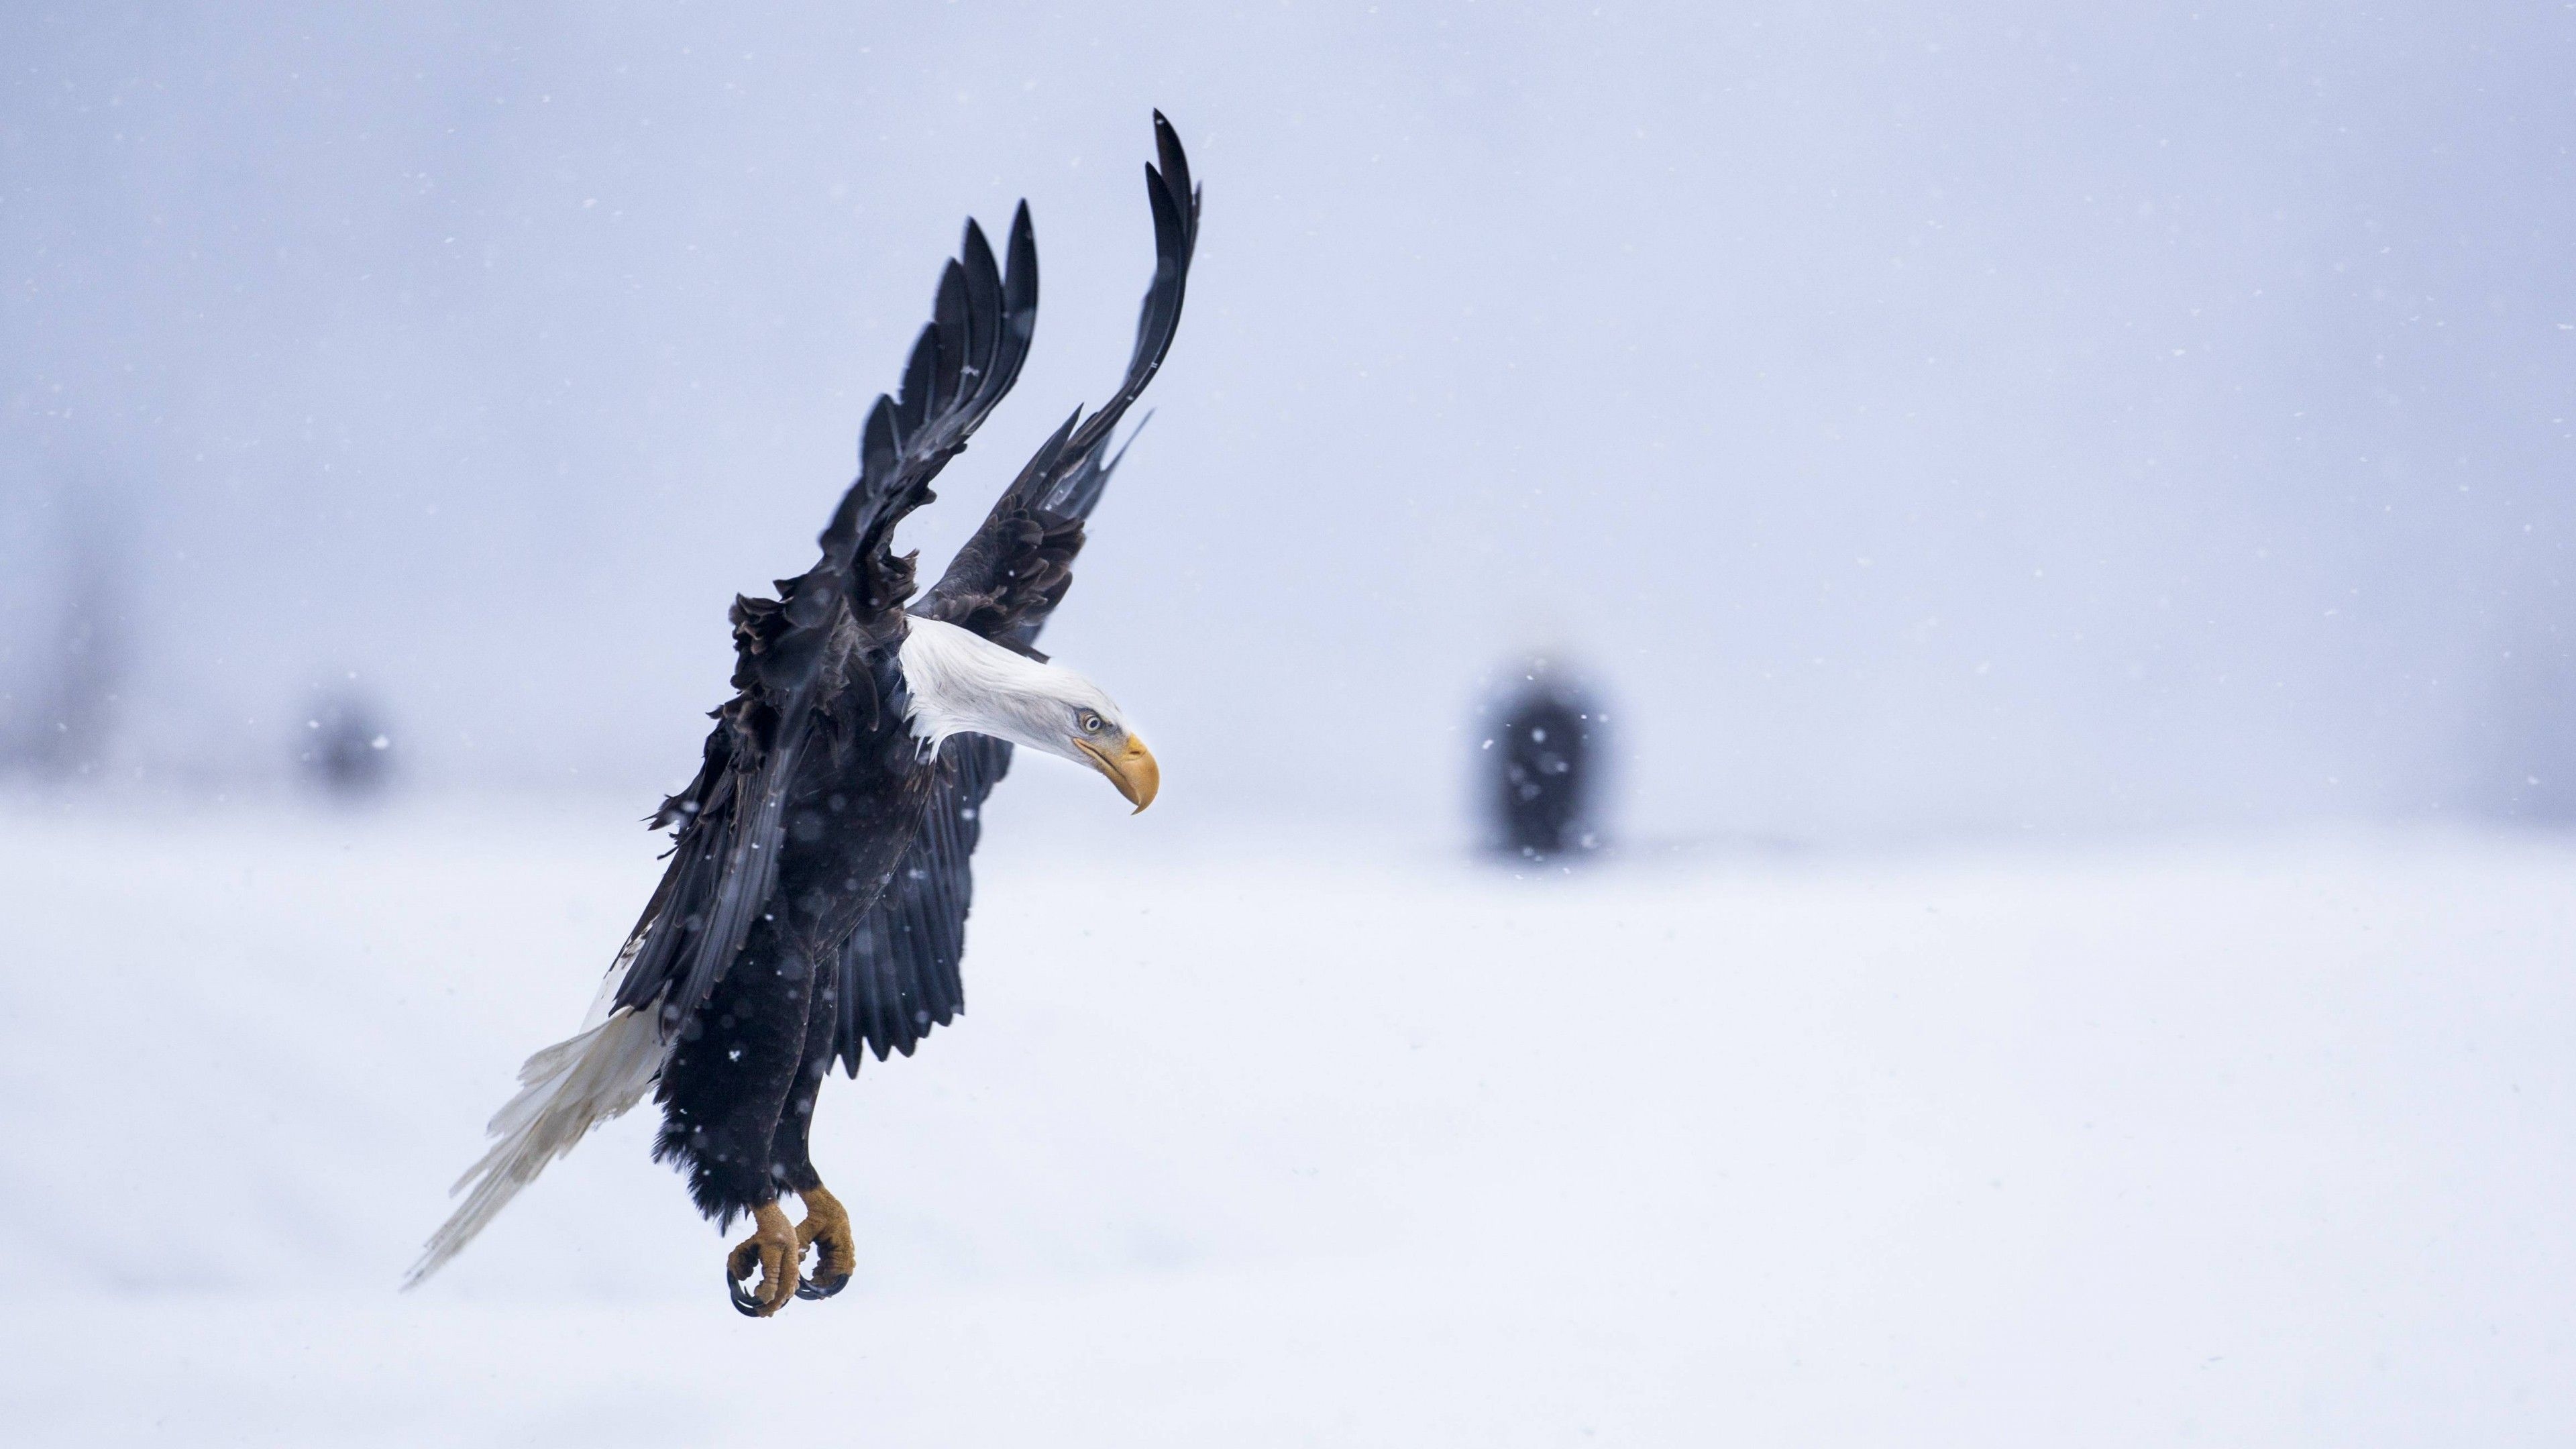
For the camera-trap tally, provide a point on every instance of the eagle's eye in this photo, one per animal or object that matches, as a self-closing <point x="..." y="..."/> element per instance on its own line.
<point x="1091" y="724"/>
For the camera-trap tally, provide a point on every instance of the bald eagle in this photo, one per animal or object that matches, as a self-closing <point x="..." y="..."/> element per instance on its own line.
<point x="815" y="903"/>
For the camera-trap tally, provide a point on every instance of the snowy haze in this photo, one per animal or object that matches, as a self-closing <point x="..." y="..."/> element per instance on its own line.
<point x="2097" y="473"/>
<point x="1918" y="420"/>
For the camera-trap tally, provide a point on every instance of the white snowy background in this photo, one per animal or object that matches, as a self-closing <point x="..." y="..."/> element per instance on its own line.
<point x="2070" y="506"/>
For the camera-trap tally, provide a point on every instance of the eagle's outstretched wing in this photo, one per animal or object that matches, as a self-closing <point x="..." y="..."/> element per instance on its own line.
<point x="899" y="970"/>
<point x="1016" y="568"/>
<point x="724" y="861"/>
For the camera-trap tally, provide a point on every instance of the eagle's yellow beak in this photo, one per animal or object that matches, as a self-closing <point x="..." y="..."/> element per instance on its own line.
<point x="1132" y="770"/>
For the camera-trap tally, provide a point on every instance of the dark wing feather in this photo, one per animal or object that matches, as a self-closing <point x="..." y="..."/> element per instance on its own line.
<point x="898" y="975"/>
<point x="965" y="360"/>
<point x="724" y="860"/>
<point x="1010" y="576"/>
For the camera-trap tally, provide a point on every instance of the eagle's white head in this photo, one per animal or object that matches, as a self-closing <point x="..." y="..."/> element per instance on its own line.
<point x="962" y="683"/>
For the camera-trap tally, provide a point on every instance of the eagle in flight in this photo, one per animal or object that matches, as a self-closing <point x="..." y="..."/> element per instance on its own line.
<point x="815" y="903"/>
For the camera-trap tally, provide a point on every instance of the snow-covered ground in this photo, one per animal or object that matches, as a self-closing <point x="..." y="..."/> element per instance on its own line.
<point x="1245" y="1144"/>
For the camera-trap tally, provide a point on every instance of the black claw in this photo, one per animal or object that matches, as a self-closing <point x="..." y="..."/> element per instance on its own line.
<point x="821" y="1287"/>
<point x="812" y="1289"/>
<point x="743" y="1302"/>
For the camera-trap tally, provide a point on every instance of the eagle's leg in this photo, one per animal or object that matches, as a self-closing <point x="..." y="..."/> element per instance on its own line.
<point x="728" y="1083"/>
<point x="773" y="1249"/>
<point x="827" y="1224"/>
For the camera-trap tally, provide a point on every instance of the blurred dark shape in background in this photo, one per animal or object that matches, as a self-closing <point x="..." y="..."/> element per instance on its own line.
<point x="60" y="729"/>
<point x="343" y="748"/>
<point x="1544" y="746"/>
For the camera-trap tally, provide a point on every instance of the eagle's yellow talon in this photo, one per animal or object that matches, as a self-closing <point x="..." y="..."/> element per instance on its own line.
<point x="774" y="1250"/>
<point x="827" y="1226"/>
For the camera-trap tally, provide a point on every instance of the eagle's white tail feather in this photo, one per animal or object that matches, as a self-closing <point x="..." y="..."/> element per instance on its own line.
<point x="565" y="1091"/>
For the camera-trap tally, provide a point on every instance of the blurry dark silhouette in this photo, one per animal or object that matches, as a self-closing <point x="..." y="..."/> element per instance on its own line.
<point x="63" y="732"/>
<point x="343" y="748"/>
<point x="1544" y="747"/>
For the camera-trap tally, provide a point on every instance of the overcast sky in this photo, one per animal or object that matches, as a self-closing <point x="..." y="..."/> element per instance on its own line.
<point x="1919" y="419"/>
